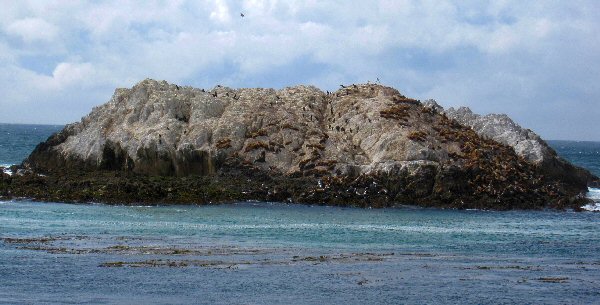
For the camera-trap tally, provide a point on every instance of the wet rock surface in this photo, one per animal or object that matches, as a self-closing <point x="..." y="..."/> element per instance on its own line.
<point x="217" y="257"/>
<point x="136" y="252"/>
<point x="363" y="145"/>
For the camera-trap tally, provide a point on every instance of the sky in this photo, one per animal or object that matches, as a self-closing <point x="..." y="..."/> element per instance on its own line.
<point x="537" y="61"/>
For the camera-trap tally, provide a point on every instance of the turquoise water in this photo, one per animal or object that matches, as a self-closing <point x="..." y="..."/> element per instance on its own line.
<point x="273" y="253"/>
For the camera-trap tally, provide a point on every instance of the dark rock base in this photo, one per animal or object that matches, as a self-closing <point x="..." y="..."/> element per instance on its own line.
<point x="448" y="188"/>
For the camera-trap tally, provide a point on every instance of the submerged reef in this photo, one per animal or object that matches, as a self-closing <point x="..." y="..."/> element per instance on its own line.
<point x="364" y="145"/>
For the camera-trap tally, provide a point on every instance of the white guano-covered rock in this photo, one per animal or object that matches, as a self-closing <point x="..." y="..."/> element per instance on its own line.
<point x="502" y="129"/>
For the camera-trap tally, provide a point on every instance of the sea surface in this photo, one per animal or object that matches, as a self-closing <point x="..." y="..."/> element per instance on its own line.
<point x="18" y="140"/>
<point x="275" y="253"/>
<point x="582" y="153"/>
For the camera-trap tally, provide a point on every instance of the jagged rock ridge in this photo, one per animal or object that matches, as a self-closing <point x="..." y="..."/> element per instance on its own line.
<point x="362" y="144"/>
<point x="525" y="142"/>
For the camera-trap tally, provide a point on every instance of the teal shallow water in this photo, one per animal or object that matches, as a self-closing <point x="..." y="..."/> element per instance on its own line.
<point x="273" y="253"/>
<point x="280" y="225"/>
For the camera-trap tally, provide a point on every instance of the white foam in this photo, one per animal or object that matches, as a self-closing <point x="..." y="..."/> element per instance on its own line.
<point x="6" y="169"/>
<point x="592" y="207"/>
<point x="594" y="194"/>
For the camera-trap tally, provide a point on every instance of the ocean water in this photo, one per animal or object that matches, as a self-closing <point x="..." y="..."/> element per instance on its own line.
<point x="18" y="140"/>
<point x="274" y="253"/>
<point x="585" y="154"/>
<point x="582" y="153"/>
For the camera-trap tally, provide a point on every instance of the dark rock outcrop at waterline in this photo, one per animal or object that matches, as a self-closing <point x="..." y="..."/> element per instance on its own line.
<point x="364" y="145"/>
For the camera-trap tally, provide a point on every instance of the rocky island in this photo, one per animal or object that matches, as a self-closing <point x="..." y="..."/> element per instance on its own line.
<point x="364" y="145"/>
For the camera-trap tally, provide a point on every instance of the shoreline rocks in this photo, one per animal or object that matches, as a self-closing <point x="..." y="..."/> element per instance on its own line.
<point x="363" y="145"/>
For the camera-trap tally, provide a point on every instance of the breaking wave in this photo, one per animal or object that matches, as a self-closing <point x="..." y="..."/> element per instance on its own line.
<point x="594" y="194"/>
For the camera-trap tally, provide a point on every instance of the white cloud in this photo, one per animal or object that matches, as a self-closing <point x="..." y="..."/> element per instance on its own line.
<point x="6" y="54"/>
<point x="67" y="73"/>
<point x="221" y="12"/>
<point x="488" y="55"/>
<point x="33" y="29"/>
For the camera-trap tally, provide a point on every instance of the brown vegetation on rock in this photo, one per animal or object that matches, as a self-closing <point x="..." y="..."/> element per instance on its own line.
<point x="223" y="144"/>
<point x="256" y="145"/>
<point x="417" y="136"/>
<point x="395" y="112"/>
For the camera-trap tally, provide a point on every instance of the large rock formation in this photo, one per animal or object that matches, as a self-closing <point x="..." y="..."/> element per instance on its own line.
<point x="502" y="129"/>
<point x="525" y="142"/>
<point x="364" y="145"/>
